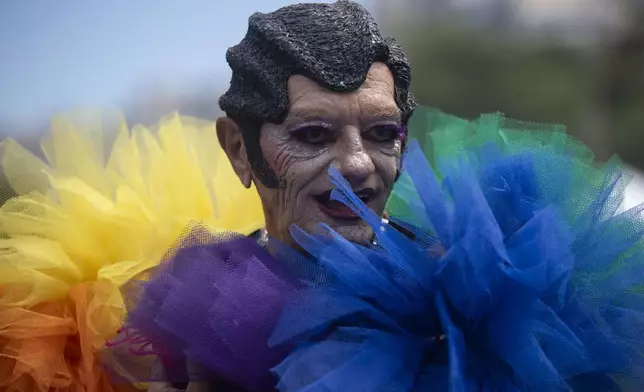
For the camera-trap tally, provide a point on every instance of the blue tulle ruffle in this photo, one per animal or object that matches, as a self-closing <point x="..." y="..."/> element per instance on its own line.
<point x="501" y="286"/>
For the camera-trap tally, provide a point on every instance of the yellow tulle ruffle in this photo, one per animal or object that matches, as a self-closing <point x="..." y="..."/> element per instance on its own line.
<point x="85" y="221"/>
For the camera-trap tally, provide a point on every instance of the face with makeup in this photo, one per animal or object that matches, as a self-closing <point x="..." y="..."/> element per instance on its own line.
<point x="356" y="132"/>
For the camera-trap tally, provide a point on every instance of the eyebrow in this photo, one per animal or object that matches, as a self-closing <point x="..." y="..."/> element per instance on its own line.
<point x="382" y="117"/>
<point x="388" y="113"/>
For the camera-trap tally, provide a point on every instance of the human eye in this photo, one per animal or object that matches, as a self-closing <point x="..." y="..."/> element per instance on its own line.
<point x="313" y="134"/>
<point x="382" y="133"/>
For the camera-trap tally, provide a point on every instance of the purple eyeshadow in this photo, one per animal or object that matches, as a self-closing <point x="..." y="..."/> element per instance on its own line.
<point x="402" y="132"/>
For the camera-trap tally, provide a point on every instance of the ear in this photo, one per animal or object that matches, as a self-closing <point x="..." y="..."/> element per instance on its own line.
<point x="232" y="142"/>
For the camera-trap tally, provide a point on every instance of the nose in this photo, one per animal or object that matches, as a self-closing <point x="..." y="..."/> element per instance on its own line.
<point x="353" y="160"/>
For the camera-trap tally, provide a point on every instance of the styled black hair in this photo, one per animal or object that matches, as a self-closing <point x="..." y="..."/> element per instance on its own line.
<point x="332" y="44"/>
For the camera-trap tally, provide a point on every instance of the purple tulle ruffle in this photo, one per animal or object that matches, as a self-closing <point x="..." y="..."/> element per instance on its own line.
<point x="214" y="301"/>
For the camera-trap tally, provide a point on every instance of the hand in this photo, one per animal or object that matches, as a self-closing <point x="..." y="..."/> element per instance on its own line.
<point x="192" y="387"/>
<point x="195" y="386"/>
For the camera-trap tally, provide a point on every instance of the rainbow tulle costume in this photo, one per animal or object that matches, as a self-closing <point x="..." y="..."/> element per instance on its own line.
<point x="83" y="224"/>
<point x="509" y="268"/>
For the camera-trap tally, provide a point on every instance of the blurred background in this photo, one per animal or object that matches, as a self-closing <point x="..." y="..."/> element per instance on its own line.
<point x="577" y="62"/>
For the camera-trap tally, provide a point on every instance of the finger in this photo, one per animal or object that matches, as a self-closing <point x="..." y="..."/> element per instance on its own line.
<point x="163" y="387"/>
<point x="197" y="374"/>
<point x="198" y="387"/>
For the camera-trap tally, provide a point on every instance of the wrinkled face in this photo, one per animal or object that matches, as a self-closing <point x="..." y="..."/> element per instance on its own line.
<point x="355" y="132"/>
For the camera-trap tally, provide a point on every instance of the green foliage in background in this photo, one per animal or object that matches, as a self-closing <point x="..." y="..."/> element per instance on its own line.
<point x="467" y="71"/>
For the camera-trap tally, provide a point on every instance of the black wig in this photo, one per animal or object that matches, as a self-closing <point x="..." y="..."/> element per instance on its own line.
<point x="332" y="44"/>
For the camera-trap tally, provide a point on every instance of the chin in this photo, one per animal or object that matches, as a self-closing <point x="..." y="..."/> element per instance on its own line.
<point x="359" y="233"/>
<point x="354" y="230"/>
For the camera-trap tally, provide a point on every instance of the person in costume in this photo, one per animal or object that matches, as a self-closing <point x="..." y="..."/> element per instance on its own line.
<point x="502" y="264"/>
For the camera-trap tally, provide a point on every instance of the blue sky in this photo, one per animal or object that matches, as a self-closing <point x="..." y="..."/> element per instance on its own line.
<point x="57" y="54"/>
